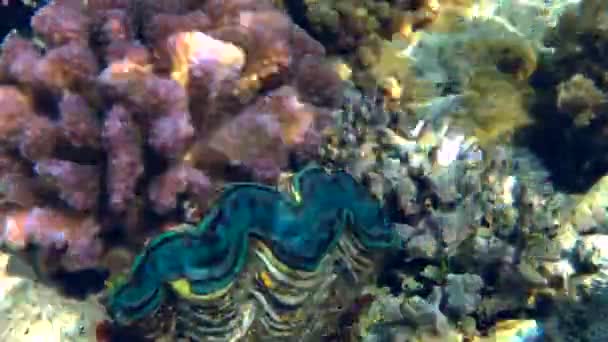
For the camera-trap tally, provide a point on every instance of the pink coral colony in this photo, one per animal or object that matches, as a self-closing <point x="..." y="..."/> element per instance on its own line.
<point x="116" y="114"/>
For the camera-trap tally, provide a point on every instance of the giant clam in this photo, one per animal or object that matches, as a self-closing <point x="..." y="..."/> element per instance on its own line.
<point x="260" y="262"/>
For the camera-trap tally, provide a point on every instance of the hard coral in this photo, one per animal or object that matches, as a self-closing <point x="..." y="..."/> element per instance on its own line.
<point x="372" y="38"/>
<point x="66" y="240"/>
<point x="463" y="211"/>
<point x="383" y="65"/>
<point x="346" y="24"/>
<point x="96" y="122"/>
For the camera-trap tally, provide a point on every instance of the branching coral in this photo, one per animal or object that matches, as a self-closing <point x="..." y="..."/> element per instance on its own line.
<point x="65" y="240"/>
<point x="122" y="108"/>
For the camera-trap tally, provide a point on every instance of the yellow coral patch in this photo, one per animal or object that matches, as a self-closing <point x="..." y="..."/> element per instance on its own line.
<point x="495" y="106"/>
<point x="511" y="55"/>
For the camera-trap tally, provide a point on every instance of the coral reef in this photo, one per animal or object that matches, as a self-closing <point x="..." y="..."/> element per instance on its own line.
<point x="447" y="221"/>
<point x="580" y="98"/>
<point x="125" y="115"/>
<point x="66" y="241"/>
<point x="294" y="236"/>
<point x="371" y="37"/>
<point x="388" y="318"/>
<point x="583" y="319"/>
<point x="388" y="45"/>
<point x="480" y="226"/>
<point x="483" y="243"/>
<point x="481" y="56"/>
<point x="485" y="55"/>
<point x="349" y="24"/>
<point x="381" y="66"/>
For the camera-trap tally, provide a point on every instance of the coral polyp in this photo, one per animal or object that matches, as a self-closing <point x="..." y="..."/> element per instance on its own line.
<point x="260" y="256"/>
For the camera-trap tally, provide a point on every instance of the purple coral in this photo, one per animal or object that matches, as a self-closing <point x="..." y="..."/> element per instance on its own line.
<point x="122" y="140"/>
<point x="76" y="184"/>
<point x="110" y="127"/>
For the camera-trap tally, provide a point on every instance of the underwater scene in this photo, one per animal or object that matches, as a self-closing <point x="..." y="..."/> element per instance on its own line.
<point x="304" y="170"/>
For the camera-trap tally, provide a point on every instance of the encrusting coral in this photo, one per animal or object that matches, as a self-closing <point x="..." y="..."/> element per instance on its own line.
<point x="125" y="108"/>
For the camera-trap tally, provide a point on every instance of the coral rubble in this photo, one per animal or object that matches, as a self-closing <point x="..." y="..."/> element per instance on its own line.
<point x="32" y="311"/>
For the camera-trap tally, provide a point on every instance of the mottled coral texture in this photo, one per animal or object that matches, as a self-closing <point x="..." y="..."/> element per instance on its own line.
<point x="371" y="38"/>
<point x="127" y="110"/>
